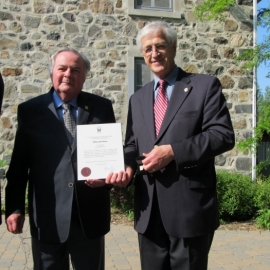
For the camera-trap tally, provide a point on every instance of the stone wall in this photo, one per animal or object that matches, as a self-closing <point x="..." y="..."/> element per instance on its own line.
<point x="31" y="30"/>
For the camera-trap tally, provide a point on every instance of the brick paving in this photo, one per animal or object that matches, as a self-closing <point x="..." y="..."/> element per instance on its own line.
<point x="246" y="250"/>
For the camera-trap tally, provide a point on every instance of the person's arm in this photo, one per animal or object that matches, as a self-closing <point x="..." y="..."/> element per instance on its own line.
<point x="17" y="177"/>
<point x="124" y="178"/>
<point x="1" y="92"/>
<point x="216" y="136"/>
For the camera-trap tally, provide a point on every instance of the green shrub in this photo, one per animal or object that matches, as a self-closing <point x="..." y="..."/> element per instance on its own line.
<point x="263" y="219"/>
<point x="122" y="199"/>
<point x="235" y="196"/>
<point x="262" y="195"/>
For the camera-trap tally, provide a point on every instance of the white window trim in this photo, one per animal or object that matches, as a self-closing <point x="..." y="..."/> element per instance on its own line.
<point x="175" y="14"/>
<point x="170" y="9"/>
<point x="132" y="53"/>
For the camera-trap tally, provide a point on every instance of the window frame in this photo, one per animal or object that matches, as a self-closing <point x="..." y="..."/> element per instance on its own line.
<point x="138" y="60"/>
<point x="174" y="14"/>
<point x="170" y="9"/>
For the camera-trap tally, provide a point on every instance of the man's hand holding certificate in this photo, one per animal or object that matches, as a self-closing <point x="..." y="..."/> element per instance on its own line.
<point x="99" y="150"/>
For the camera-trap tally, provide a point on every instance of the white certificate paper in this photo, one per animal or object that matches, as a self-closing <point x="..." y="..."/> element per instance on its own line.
<point x="99" y="150"/>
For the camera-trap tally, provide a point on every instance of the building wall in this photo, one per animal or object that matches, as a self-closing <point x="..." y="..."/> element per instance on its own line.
<point x="105" y="31"/>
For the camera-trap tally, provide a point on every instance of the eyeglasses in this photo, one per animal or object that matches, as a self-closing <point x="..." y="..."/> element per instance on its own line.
<point x="159" y="48"/>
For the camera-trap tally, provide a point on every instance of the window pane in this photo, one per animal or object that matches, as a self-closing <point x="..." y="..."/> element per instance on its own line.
<point x="144" y="3"/>
<point x="142" y="73"/>
<point x="154" y="4"/>
<point x="162" y="3"/>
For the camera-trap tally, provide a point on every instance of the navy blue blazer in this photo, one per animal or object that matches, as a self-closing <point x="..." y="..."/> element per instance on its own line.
<point x="1" y="99"/>
<point x="197" y="125"/>
<point x="43" y="159"/>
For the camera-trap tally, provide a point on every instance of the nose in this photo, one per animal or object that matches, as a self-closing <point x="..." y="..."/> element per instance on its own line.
<point x="155" y="51"/>
<point x="67" y="72"/>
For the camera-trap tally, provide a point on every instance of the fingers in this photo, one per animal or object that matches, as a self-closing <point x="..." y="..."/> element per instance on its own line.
<point x="15" y="223"/>
<point x="158" y="158"/>
<point x="116" y="179"/>
<point x="95" y="183"/>
<point x="120" y="179"/>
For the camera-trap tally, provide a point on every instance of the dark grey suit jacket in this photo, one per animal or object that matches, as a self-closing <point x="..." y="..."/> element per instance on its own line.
<point x="197" y="125"/>
<point x="1" y="99"/>
<point x="43" y="158"/>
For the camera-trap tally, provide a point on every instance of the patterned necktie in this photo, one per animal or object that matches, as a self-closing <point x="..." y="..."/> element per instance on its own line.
<point x="160" y="106"/>
<point x="69" y="122"/>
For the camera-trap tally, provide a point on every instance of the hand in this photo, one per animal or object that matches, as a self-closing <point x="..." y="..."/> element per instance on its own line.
<point x="120" y="179"/>
<point x="15" y="223"/>
<point x="95" y="183"/>
<point x="158" y="158"/>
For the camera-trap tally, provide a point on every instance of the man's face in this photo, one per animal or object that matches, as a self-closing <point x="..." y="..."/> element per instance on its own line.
<point x="68" y="75"/>
<point x="158" y="54"/>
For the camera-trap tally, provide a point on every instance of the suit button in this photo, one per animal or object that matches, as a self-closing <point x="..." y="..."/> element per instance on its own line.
<point x="70" y="184"/>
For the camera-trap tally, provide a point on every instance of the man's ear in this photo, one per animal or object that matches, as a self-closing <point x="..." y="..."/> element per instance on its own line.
<point x="174" y="48"/>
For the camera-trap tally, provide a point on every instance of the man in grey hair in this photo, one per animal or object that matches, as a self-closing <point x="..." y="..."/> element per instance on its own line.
<point x="1" y="99"/>
<point x="176" y="126"/>
<point x="67" y="216"/>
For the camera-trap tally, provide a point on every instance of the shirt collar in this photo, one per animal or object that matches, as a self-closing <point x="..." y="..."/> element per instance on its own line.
<point x="170" y="78"/>
<point x="58" y="101"/>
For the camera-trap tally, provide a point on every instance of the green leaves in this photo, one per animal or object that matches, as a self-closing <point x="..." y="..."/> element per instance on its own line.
<point x="252" y="57"/>
<point x="2" y="163"/>
<point x="239" y="198"/>
<point x="235" y="194"/>
<point x="263" y="219"/>
<point x="213" y="9"/>
<point x="262" y="127"/>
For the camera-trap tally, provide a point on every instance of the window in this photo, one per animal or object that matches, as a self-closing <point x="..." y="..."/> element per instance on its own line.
<point x="143" y="75"/>
<point x="154" y="4"/>
<point x="138" y="72"/>
<point x="155" y="8"/>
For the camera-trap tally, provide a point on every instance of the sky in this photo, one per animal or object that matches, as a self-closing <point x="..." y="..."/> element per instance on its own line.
<point x="262" y="70"/>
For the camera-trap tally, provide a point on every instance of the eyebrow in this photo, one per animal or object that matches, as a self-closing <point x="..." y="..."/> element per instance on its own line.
<point x="73" y="67"/>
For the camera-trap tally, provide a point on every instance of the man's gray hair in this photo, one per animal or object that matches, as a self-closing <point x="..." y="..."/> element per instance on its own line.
<point x="153" y="27"/>
<point x="83" y="57"/>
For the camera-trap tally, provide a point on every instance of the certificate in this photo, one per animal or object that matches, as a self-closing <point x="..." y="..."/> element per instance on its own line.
<point x="99" y="150"/>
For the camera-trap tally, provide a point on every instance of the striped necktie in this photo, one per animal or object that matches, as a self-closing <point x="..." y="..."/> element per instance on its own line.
<point x="69" y="123"/>
<point x="160" y="106"/>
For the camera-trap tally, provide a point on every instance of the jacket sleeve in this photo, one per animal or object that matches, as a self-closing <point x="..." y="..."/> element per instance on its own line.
<point x="17" y="175"/>
<point x="216" y="135"/>
<point x="130" y="149"/>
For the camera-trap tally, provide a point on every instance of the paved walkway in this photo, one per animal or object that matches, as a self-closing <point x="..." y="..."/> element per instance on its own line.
<point x="230" y="250"/>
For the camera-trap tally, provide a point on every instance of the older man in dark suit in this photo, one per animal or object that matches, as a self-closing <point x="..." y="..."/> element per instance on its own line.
<point x="1" y="99"/>
<point x="66" y="216"/>
<point x="178" y="123"/>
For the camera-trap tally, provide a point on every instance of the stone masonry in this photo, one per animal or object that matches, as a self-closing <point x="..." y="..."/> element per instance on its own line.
<point x="105" y="31"/>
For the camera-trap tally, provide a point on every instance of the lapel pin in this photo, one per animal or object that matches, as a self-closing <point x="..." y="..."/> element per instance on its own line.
<point x="186" y="89"/>
<point x="86" y="107"/>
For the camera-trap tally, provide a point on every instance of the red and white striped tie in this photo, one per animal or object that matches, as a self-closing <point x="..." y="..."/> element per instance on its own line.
<point x="160" y="106"/>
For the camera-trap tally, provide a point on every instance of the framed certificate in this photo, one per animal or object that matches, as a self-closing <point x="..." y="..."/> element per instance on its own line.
<point x="99" y="150"/>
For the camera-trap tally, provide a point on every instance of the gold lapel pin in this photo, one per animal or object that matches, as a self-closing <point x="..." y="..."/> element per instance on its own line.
<point x="86" y="107"/>
<point x="186" y="89"/>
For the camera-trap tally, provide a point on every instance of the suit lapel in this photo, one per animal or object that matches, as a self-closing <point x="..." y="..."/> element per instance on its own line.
<point x="84" y="108"/>
<point x="148" y="109"/>
<point x="48" y="110"/>
<point x="180" y="92"/>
